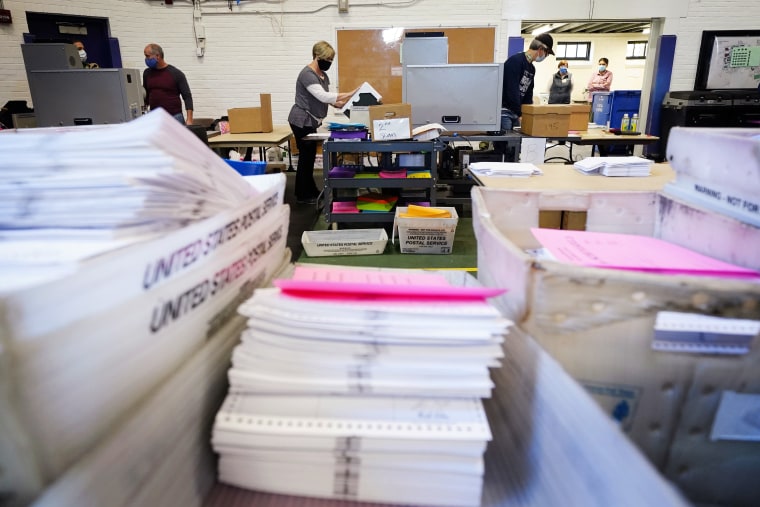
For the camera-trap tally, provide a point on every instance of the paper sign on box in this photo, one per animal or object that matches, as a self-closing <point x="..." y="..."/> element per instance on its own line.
<point x="394" y="113"/>
<point x="389" y="130"/>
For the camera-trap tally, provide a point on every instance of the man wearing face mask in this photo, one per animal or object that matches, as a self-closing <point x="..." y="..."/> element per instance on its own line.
<point x="83" y="56"/>
<point x="519" y="73"/>
<point x="601" y="80"/>
<point x="164" y="84"/>
<point x="562" y="85"/>
<point x="313" y="95"/>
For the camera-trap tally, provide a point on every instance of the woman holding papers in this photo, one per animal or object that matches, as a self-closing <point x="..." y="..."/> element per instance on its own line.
<point x="312" y="98"/>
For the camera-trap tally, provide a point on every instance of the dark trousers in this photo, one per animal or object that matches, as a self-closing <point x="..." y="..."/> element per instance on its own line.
<point x="305" y="188"/>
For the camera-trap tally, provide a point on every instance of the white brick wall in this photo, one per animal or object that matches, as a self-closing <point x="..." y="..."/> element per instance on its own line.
<point x="708" y="15"/>
<point x="258" y="48"/>
<point x="261" y="46"/>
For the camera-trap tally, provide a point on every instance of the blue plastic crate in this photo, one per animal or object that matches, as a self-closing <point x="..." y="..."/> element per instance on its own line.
<point x="611" y="106"/>
<point x="247" y="168"/>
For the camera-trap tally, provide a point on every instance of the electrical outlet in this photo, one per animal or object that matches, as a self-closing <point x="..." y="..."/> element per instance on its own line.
<point x="342" y="5"/>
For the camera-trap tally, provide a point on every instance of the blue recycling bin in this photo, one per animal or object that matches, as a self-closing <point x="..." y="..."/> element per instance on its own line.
<point x="245" y="168"/>
<point x="611" y="106"/>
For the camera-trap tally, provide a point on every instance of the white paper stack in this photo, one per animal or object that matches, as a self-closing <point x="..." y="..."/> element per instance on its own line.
<point x="88" y="328"/>
<point x="615" y="166"/>
<point x="144" y="176"/>
<point x="353" y="395"/>
<point x="518" y="169"/>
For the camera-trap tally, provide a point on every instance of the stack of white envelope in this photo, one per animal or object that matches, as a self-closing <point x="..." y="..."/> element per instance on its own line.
<point x="615" y="166"/>
<point x="371" y="400"/>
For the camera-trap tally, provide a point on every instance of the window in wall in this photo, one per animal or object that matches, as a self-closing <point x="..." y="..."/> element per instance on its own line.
<point x="636" y="50"/>
<point x="573" y="50"/>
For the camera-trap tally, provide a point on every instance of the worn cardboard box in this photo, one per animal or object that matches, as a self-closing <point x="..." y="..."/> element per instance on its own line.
<point x="252" y="119"/>
<point x="599" y="325"/>
<point x="579" y="115"/>
<point x="390" y="122"/>
<point x="545" y="120"/>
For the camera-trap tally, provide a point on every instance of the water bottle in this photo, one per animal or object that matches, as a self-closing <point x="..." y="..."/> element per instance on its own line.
<point x="625" y="125"/>
<point x="634" y="123"/>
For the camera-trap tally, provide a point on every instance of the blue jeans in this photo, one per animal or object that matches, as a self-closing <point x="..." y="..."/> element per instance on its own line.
<point x="180" y="118"/>
<point x="509" y="120"/>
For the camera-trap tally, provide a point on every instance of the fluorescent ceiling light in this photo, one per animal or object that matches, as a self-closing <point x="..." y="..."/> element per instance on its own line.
<point x="546" y="28"/>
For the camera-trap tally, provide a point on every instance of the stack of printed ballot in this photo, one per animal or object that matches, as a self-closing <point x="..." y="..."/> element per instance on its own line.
<point x="123" y="249"/>
<point x="143" y="176"/>
<point x="363" y="385"/>
<point x="615" y="166"/>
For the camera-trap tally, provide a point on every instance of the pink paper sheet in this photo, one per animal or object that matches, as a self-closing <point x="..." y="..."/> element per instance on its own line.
<point x="344" y="207"/>
<point x="631" y="252"/>
<point x="329" y="282"/>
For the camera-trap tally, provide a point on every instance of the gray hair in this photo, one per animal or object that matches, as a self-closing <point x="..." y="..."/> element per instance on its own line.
<point x="155" y="49"/>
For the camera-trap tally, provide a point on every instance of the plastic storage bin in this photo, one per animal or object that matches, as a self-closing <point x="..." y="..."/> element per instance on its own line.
<point x="344" y="242"/>
<point x="247" y="168"/>
<point x="425" y="235"/>
<point x="611" y="106"/>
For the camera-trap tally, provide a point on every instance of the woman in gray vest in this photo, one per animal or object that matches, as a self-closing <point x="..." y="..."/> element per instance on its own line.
<point x="312" y="98"/>
<point x="562" y="85"/>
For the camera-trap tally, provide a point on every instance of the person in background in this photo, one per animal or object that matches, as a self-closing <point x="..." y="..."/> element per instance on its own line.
<point x="164" y="84"/>
<point x="601" y="80"/>
<point x="519" y="74"/>
<point x="313" y="95"/>
<point x="562" y="85"/>
<point x="83" y="56"/>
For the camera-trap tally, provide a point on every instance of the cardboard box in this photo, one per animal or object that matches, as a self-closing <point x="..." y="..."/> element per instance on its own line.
<point x="579" y="116"/>
<point x="252" y="119"/>
<point x="599" y="325"/>
<point x="390" y="122"/>
<point x="545" y="120"/>
<point x="425" y="235"/>
<point x="52" y="437"/>
<point x="344" y="242"/>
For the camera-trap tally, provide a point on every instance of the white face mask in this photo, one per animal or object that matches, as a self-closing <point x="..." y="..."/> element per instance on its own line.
<point x="540" y="58"/>
<point x="83" y="55"/>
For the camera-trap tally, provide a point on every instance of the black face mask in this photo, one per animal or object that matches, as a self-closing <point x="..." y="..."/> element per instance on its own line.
<point x="324" y="65"/>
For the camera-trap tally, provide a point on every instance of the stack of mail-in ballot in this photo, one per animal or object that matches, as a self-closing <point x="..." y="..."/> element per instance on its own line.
<point x="122" y="250"/>
<point x="615" y="166"/>
<point x="364" y="385"/>
<point x="717" y="169"/>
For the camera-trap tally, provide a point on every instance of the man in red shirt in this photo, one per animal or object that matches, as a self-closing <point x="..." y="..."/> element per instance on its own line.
<point x="164" y="85"/>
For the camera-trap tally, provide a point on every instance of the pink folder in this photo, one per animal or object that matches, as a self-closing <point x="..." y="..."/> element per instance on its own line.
<point x="632" y="252"/>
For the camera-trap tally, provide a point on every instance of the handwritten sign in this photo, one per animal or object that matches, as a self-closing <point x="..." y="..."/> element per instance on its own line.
<point x="391" y="129"/>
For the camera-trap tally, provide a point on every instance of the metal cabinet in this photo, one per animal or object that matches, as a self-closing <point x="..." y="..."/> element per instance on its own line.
<point x="367" y="158"/>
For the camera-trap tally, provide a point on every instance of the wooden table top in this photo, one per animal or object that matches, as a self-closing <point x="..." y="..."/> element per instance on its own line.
<point x="278" y="135"/>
